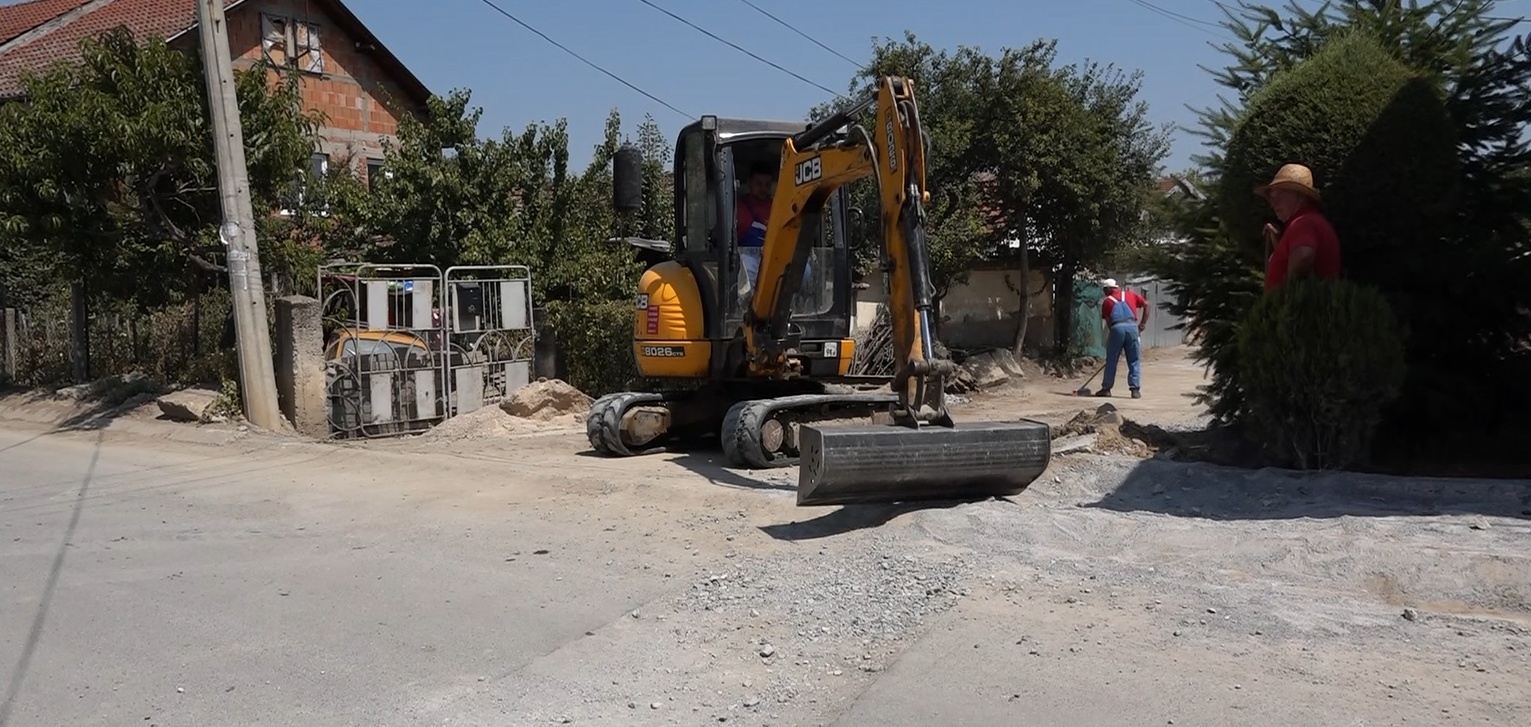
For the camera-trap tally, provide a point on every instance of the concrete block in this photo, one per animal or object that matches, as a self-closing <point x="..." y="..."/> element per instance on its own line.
<point x="300" y="365"/>
<point x="986" y="372"/>
<point x="1008" y="362"/>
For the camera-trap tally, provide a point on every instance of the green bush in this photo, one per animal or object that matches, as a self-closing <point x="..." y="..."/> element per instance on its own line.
<point x="1382" y="147"/>
<point x="597" y="342"/>
<point x="1317" y="361"/>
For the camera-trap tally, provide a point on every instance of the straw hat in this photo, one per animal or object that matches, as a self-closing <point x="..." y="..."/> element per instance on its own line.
<point x="1295" y="177"/>
<point x="1108" y="283"/>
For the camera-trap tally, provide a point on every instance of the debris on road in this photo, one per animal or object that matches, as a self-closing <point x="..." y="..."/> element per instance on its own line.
<point x="188" y="405"/>
<point x="1112" y="434"/>
<point x="541" y="406"/>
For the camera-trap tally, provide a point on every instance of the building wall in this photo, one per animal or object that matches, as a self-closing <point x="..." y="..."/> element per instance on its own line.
<point x="980" y="313"/>
<point x="361" y="103"/>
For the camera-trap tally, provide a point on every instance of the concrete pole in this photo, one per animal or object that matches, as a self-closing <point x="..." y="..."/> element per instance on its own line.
<point x="257" y="381"/>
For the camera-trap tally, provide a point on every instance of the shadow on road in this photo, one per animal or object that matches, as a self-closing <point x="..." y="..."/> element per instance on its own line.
<point x="34" y="634"/>
<point x="709" y="464"/>
<point x="1228" y="493"/>
<point x="851" y="518"/>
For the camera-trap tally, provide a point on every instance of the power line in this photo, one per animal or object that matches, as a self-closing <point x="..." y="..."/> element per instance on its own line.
<point x="794" y="29"/>
<point x="735" y="46"/>
<point x="1185" y="20"/>
<point x="585" y="60"/>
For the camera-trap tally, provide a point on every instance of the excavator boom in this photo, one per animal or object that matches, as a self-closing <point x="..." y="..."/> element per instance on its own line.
<point x="923" y="454"/>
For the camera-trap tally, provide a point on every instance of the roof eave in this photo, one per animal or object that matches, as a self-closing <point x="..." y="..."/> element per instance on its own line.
<point x="352" y="25"/>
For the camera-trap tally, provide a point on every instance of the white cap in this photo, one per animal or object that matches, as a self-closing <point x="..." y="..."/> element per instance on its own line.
<point x="1108" y="283"/>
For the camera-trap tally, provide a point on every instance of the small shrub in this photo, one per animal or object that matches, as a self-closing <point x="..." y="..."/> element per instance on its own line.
<point x="1317" y="361"/>
<point x="597" y="342"/>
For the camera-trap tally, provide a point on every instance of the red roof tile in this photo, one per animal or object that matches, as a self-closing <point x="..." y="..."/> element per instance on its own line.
<point x="18" y="18"/>
<point x="144" y="18"/>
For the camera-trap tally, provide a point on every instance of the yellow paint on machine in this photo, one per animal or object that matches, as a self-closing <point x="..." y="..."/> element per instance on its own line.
<point x="847" y="352"/>
<point x="669" y="339"/>
<point x="669" y="304"/>
<point x="673" y="359"/>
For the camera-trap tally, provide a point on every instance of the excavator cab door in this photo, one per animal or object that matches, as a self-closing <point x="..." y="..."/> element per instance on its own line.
<point x="821" y="309"/>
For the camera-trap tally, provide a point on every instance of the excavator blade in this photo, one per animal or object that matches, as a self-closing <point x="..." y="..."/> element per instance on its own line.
<point x="852" y="464"/>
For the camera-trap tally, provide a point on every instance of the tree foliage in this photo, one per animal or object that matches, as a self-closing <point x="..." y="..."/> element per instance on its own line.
<point x="1449" y="237"/>
<point x="1058" y="158"/>
<point x="107" y="174"/>
<point x="1318" y="360"/>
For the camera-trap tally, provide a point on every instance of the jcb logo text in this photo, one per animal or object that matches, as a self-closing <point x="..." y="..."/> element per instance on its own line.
<point x="808" y="171"/>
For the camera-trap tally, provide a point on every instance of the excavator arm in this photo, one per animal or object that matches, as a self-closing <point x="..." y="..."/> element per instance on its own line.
<point x="817" y="162"/>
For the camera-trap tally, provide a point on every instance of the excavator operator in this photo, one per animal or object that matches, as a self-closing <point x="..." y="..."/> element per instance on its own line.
<point x="751" y="212"/>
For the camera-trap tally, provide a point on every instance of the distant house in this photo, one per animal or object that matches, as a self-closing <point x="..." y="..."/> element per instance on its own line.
<point x="344" y="70"/>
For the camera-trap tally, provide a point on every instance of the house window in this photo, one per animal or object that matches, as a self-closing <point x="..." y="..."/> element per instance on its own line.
<point x="305" y="48"/>
<point x="375" y="172"/>
<point x="319" y="164"/>
<point x="288" y="43"/>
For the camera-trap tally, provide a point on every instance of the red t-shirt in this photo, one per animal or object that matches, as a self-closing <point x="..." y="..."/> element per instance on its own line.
<point x="1137" y="302"/>
<point x="1307" y="228"/>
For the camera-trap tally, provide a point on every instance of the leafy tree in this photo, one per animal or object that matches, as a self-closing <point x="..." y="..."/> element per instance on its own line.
<point x="1060" y="159"/>
<point x="106" y="166"/>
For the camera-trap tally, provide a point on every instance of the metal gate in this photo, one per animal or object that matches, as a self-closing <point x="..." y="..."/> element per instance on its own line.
<point x="489" y="317"/>
<point x="408" y="346"/>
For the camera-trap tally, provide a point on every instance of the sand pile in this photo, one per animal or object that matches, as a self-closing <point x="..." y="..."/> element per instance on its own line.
<point x="542" y="406"/>
<point x="546" y="400"/>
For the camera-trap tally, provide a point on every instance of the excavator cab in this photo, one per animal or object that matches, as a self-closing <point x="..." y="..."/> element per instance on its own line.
<point x="714" y="160"/>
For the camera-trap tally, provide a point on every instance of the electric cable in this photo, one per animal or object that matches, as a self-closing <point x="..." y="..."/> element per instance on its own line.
<point x="585" y="60"/>
<point x="735" y="46"/>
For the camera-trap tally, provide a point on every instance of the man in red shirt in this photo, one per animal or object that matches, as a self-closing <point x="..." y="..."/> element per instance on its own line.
<point x="1307" y="244"/>
<point x="1125" y="314"/>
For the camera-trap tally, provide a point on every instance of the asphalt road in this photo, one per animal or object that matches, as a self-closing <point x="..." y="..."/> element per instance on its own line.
<point x="145" y="586"/>
<point x="273" y="582"/>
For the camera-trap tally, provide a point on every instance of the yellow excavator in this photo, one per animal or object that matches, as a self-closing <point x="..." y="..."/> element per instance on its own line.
<point x="764" y="363"/>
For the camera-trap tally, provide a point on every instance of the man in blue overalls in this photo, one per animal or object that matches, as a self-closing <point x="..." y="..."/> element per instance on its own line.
<point x="1125" y="314"/>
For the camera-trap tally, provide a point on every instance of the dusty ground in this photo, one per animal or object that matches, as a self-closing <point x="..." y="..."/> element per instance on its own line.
<point x="176" y="575"/>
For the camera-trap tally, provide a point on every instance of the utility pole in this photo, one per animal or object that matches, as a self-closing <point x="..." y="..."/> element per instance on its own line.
<point x="257" y="380"/>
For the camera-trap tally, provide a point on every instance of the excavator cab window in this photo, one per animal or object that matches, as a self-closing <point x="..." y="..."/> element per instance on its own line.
<point x="816" y="295"/>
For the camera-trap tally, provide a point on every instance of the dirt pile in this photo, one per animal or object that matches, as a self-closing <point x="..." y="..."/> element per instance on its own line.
<point x="546" y="400"/>
<point x="541" y="406"/>
<point x="1114" y="433"/>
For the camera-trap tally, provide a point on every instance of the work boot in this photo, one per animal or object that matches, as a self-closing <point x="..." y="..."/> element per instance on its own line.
<point x="1137" y="394"/>
<point x="1103" y="393"/>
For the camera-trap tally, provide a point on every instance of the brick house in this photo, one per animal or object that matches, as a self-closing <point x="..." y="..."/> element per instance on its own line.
<point x="345" y="71"/>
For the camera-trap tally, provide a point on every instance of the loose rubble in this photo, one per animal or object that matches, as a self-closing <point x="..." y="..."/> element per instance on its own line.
<point x="1112" y="434"/>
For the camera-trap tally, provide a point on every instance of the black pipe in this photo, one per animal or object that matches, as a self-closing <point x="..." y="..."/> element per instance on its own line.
<point x="816" y="133"/>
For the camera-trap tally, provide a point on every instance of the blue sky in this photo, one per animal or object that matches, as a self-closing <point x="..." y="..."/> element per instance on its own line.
<point x="519" y="78"/>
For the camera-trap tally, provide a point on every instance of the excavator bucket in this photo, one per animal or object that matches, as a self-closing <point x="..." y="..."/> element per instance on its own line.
<point x="884" y="463"/>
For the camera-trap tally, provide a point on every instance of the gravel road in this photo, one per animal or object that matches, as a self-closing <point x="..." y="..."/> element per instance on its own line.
<point x="510" y="579"/>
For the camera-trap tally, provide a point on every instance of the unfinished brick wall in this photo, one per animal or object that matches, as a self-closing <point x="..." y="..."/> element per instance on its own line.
<point x="361" y="103"/>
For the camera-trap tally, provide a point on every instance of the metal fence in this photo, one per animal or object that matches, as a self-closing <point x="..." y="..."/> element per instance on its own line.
<point x="489" y="317"/>
<point x="408" y="346"/>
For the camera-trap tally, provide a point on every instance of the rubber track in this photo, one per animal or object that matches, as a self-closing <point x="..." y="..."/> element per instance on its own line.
<point x="603" y="425"/>
<point x="744" y="421"/>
